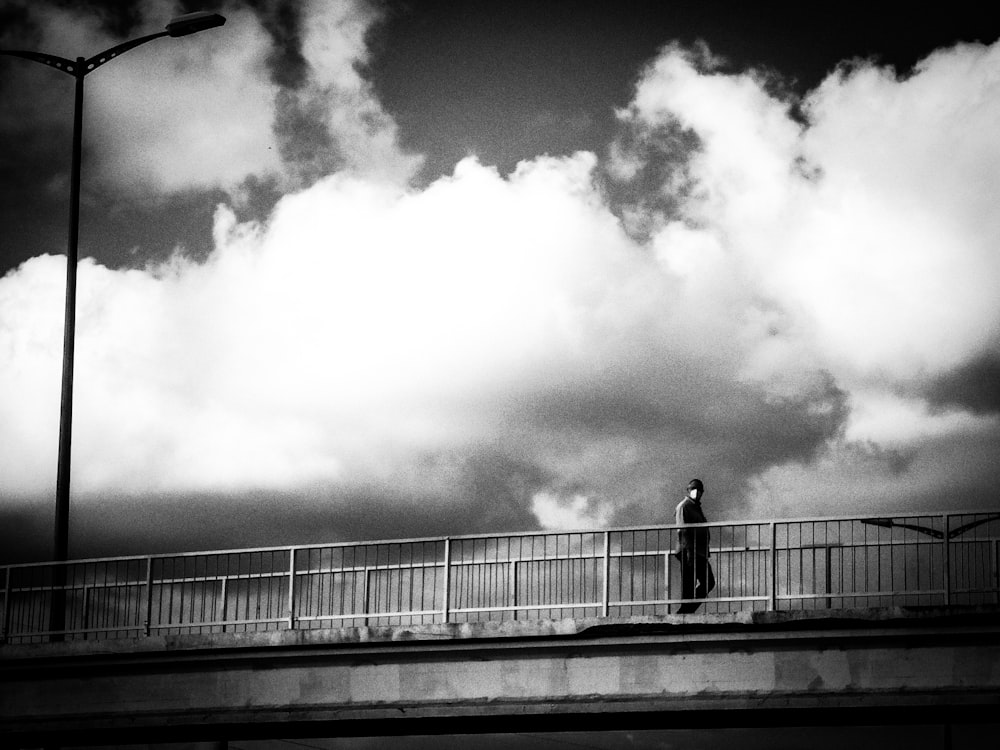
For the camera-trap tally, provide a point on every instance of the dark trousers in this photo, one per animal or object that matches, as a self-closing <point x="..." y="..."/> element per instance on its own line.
<point x="697" y="579"/>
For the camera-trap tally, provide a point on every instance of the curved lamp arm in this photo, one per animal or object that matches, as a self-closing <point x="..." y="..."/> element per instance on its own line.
<point x="59" y="63"/>
<point x="81" y="67"/>
<point x="190" y="23"/>
<point x="109" y="54"/>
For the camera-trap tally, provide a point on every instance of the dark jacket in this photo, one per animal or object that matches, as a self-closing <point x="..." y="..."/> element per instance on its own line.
<point x="695" y="540"/>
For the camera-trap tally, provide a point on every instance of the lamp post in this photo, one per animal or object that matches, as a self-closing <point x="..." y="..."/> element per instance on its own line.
<point x="181" y="26"/>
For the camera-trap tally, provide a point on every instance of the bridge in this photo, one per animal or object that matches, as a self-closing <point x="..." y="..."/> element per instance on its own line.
<point x="812" y="620"/>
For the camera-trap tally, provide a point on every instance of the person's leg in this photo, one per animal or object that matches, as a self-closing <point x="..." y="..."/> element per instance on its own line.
<point x="688" y="576"/>
<point x="706" y="580"/>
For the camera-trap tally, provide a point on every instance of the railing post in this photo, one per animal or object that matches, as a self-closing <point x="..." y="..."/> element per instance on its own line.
<point x="446" y="609"/>
<point x="291" y="588"/>
<point x="829" y="576"/>
<point x="773" y="583"/>
<point x="147" y="626"/>
<point x="366" y="592"/>
<point x="947" y="559"/>
<point x="513" y="587"/>
<point x="666" y="576"/>
<point x="86" y="610"/>
<point x="5" y="622"/>
<point x="606" y="593"/>
<point x="225" y="602"/>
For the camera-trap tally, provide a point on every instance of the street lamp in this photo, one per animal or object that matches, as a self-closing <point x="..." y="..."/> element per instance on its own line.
<point x="181" y="26"/>
<point x="888" y="523"/>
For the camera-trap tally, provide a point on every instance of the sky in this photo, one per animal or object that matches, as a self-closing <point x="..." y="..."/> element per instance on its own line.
<point x="365" y="270"/>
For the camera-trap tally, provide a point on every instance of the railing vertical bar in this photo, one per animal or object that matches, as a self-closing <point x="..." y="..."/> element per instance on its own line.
<point x="829" y="574"/>
<point x="606" y="593"/>
<point x="149" y="596"/>
<point x="947" y="559"/>
<point x="315" y="585"/>
<point x="224" y="595"/>
<point x="841" y="566"/>
<point x="5" y="622"/>
<point x="134" y="598"/>
<point x="412" y="579"/>
<point x="85" y="615"/>
<point x="446" y="602"/>
<point x="360" y="554"/>
<point x="666" y="577"/>
<point x="365" y="593"/>
<point x="892" y="567"/>
<point x="111" y="617"/>
<point x="878" y="559"/>
<point x="291" y="588"/>
<point x="203" y="597"/>
<point x="347" y="577"/>
<point x="802" y="564"/>
<point x="773" y="600"/>
<point x="513" y="586"/>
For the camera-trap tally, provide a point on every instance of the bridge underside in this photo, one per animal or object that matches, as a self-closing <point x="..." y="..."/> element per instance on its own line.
<point x="860" y="667"/>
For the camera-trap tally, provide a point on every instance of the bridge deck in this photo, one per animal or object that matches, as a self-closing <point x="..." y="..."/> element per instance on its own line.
<point x="741" y="669"/>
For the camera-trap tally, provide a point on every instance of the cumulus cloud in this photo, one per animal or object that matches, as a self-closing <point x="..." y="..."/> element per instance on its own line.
<point x="871" y="227"/>
<point x="491" y="338"/>
<point x="860" y="242"/>
<point x="791" y="324"/>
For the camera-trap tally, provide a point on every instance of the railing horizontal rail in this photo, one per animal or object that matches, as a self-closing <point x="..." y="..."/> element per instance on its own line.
<point x="857" y="594"/>
<point x="371" y="615"/>
<point x="761" y="525"/>
<point x="216" y="623"/>
<point x="918" y="558"/>
<point x="524" y="607"/>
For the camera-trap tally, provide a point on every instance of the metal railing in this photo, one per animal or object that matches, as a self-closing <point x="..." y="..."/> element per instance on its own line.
<point x="930" y="559"/>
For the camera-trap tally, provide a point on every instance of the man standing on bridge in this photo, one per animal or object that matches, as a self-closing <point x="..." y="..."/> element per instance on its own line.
<point x="697" y="578"/>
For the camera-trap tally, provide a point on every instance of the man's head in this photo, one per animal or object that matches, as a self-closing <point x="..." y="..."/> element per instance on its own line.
<point x="695" y="489"/>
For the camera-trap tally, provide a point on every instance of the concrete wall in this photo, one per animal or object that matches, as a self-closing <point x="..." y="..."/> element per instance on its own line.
<point x="719" y="670"/>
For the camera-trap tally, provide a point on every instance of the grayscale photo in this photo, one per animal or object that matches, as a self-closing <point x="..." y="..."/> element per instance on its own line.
<point x="419" y="374"/>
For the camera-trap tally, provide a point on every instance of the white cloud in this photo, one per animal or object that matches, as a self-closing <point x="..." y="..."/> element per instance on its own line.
<point x="864" y="241"/>
<point x="334" y="45"/>
<point x="891" y="420"/>
<point x="362" y="321"/>
<point x="556" y="513"/>
<point x="904" y="222"/>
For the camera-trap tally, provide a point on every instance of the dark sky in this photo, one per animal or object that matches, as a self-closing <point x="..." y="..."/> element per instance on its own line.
<point x="490" y="68"/>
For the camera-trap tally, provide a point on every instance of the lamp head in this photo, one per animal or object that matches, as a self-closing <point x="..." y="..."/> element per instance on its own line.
<point x="192" y="23"/>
